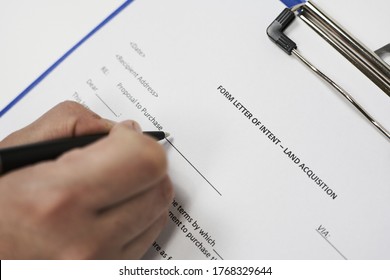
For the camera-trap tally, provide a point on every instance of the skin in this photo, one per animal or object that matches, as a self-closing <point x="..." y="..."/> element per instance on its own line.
<point x="108" y="200"/>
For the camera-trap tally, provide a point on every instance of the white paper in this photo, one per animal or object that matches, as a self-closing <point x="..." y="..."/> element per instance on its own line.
<point x="249" y="125"/>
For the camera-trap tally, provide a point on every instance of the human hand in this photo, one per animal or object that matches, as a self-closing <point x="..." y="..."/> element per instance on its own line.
<point x="108" y="200"/>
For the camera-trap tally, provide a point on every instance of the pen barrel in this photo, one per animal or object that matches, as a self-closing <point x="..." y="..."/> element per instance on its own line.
<point x="17" y="157"/>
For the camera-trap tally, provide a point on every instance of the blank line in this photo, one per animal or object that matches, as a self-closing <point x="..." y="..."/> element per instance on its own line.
<point x="194" y="167"/>
<point x="332" y="245"/>
<point x="218" y="254"/>
<point x="109" y="108"/>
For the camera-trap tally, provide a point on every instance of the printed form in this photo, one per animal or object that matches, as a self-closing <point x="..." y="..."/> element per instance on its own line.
<point x="267" y="161"/>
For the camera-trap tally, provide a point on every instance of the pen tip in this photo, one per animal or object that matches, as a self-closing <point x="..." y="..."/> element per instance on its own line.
<point x="167" y="134"/>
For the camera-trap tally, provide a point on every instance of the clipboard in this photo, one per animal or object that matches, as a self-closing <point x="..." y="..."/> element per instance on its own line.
<point x="370" y="63"/>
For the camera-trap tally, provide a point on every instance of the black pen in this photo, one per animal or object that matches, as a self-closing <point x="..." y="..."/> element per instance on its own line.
<point x="16" y="157"/>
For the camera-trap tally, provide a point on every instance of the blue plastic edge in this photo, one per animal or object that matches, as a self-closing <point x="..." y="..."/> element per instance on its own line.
<point x="61" y="59"/>
<point x="292" y="3"/>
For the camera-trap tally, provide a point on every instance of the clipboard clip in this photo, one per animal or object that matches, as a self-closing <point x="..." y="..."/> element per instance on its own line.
<point x="275" y="33"/>
<point x="367" y="61"/>
<point x="384" y="52"/>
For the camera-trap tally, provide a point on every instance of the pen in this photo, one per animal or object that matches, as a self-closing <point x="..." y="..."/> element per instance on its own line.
<point x="20" y="156"/>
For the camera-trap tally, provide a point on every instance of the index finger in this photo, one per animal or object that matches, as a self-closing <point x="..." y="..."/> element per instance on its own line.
<point x="113" y="169"/>
<point x="67" y="119"/>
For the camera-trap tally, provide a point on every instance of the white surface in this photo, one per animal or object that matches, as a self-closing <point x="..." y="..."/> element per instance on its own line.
<point x="34" y="34"/>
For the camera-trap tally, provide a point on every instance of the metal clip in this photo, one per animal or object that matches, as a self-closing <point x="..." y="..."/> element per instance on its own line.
<point x="275" y="33"/>
<point x="363" y="58"/>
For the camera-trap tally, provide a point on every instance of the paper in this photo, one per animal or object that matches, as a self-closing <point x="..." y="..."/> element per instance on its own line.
<point x="35" y="33"/>
<point x="266" y="160"/>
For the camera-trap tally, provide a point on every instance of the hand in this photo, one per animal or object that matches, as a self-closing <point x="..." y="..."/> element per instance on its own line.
<point x="108" y="200"/>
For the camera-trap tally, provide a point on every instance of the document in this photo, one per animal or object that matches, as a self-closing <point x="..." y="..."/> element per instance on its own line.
<point x="267" y="161"/>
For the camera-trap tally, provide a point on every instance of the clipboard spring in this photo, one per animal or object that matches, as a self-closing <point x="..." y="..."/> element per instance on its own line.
<point x="275" y="33"/>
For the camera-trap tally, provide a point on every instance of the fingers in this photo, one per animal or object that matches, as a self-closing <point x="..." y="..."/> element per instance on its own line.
<point x="64" y="120"/>
<point x="113" y="169"/>
<point x="106" y="200"/>
<point x="137" y="247"/>
<point x="102" y="174"/>
<point x="131" y="218"/>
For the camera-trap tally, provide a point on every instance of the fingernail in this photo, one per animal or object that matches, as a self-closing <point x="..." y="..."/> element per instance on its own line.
<point x="133" y="125"/>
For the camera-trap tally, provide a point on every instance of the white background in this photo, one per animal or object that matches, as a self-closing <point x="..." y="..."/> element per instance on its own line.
<point x="281" y="270"/>
<point x="34" y="34"/>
